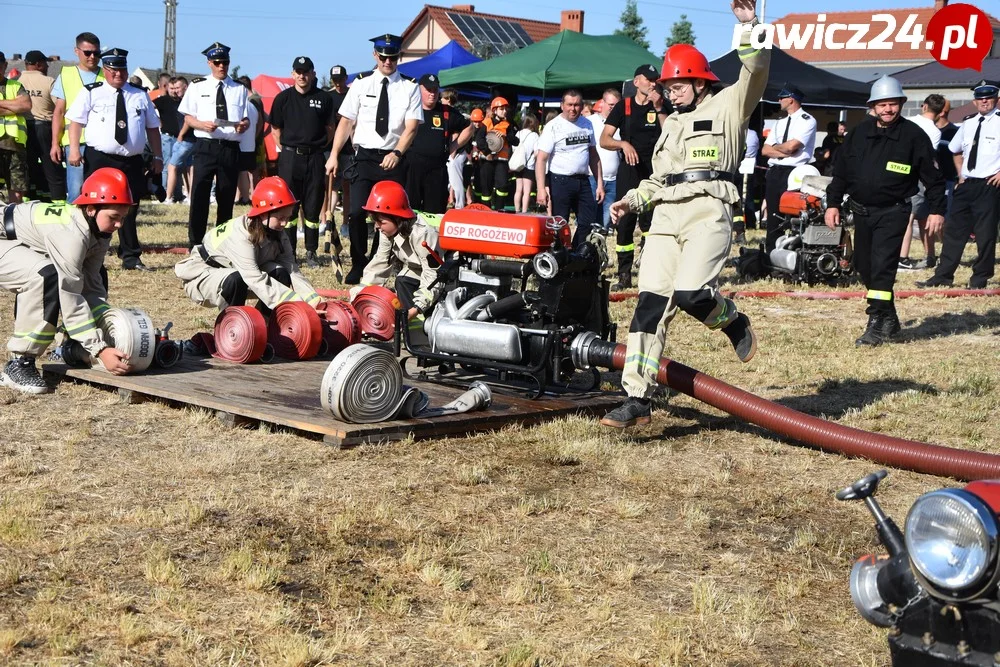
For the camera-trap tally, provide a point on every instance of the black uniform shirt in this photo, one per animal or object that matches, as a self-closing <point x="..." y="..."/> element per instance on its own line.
<point x="166" y="106"/>
<point x="882" y="166"/>
<point x="302" y="119"/>
<point x="945" y="158"/>
<point x="338" y="99"/>
<point x="441" y="126"/>
<point x="642" y="128"/>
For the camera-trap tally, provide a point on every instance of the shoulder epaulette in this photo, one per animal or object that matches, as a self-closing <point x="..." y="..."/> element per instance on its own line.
<point x="407" y="78"/>
<point x="363" y="75"/>
<point x="197" y="79"/>
<point x="92" y="86"/>
<point x="971" y="115"/>
<point x="806" y="116"/>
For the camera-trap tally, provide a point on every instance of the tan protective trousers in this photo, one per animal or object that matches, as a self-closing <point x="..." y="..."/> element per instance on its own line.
<point x="33" y="278"/>
<point x="686" y="250"/>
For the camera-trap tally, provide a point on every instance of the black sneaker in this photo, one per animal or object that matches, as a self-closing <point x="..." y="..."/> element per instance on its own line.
<point x="741" y="335"/>
<point x="926" y="263"/>
<point x="935" y="282"/>
<point x="311" y="261"/>
<point x="907" y="264"/>
<point x="21" y="374"/>
<point x="872" y="337"/>
<point x="633" y="412"/>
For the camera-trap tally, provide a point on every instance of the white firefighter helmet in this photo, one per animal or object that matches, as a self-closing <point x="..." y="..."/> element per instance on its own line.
<point x="887" y="88"/>
<point x="796" y="175"/>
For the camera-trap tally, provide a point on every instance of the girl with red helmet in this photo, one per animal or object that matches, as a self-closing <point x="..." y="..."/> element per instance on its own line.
<point x="247" y="254"/>
<point x="495" y="141"/>
<point x="406" y="249"/>
<point x="691" y="194"/>
<point x="52" y="258"/>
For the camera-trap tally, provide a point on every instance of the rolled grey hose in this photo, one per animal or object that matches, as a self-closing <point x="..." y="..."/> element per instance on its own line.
<point x="131" y="331"/>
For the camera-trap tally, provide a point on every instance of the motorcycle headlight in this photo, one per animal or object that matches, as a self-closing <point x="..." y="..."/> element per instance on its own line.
<point x="951" y="537"/>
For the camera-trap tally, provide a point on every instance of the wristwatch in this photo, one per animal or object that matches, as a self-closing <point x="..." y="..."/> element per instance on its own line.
<point x="396" y="152"/>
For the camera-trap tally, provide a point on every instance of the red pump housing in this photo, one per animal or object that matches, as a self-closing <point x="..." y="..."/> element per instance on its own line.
<point x="520" y="235"/>
<point x="794" y="203"/>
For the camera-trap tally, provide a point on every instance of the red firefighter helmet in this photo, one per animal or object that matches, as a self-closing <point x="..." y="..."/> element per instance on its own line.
<point x="107" y="185"/>
<point x="477" y="116"/>
<point x="270" y="194"/>
<point x="683" y="61"/>
<point x="499" y="102"/>
<point x="390" y="198"/>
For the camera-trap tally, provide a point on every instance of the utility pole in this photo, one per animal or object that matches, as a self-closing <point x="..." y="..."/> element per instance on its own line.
<point x="170" y="37"/>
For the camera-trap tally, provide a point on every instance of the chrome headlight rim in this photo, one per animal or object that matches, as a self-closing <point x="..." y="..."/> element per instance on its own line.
<point x="988" y="520"/>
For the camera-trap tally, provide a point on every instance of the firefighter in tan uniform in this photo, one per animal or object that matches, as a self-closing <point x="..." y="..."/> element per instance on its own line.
<point x="250" y="253"/>
<point x="406" y="249"/>
<point x="691" y="193"/>
<point x="52" y="257"/>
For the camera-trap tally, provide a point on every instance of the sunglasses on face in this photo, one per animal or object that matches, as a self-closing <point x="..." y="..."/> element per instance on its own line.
<point x="89" y="53"/>
<point x="220" y="63"/>
<point x="387" y="58"/>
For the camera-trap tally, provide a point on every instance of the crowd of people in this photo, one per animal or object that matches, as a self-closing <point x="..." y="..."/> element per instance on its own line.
<point x="674" y="157"/>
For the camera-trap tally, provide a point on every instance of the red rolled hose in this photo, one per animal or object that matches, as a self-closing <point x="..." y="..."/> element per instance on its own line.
<point x="341" y="325"/>
<point x="240" y="336"/>
<point x="828" y="436"/>
<point x="377" y="308"/>
<point x="295" y="330"/>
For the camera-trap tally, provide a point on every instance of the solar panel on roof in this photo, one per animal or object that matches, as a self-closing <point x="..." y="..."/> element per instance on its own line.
<point x="495" y="33"/>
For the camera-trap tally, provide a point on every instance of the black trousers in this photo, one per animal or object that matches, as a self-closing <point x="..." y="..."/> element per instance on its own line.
<point x="975" y="208"/>
<point x="629" y="177"/>
<point x="775" y="184"/>
<point x="218" y="160"/>
<point x="877" y="240"/>
<point x="573" y="193"/>
<point x="494" y="176"/>
<point x="406" y="288"/>
<point x="305" y="174"/>
<point x="427" y="182"/>
<point x="39" y="145"/>
<point x="135" y="171"/>
<point x="367" y="172"/>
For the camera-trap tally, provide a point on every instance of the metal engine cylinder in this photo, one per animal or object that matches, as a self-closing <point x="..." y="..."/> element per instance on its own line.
<point x="783" y="260"/>
<point x="482" y="340"/>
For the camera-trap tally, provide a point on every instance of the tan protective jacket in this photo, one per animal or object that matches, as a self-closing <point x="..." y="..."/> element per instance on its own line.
<point x="405" y="256"/>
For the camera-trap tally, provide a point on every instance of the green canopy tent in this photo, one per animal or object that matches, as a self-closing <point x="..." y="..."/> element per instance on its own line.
<point x="568" y="59"/>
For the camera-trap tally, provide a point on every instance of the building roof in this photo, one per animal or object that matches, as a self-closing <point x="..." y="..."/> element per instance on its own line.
<point x="900" y="51"/>
<point x="935" y="74"/>
<point x="462" y="22"/>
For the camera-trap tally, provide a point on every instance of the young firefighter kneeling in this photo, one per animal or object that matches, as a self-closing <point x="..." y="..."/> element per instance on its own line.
<point x="404" y="249"/>
<point x="52" y="257"/>
<point x="250" y="253"/>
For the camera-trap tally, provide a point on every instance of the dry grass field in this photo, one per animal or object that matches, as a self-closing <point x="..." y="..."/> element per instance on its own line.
<point x="144" y="534"/>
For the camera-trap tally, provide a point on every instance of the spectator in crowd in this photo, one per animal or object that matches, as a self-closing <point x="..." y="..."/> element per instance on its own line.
<point x="136" y="82"/>
<point x="691" y="193"/>
<point x="638" y="120"/>
<point x="946" y="163"/>
<point x="38" y="83"/>
<point x="790" y="144"/>
<point x="976" y="203"/>
<point x="458" y="158"/>
<point x="569" y="141"/>
<point x="182" y="158"/>
<point x="524" y="189"/>
<point x="879" y="167"/>
<point x="15" y="104"/>
<point x="251" y="144"/>
<point x="443" y="130"/>
<point x="609" y="158"/>
<point x="470" y="173"/>
<point x="217" y="109"/>
<point x="162" y="87"/>
<point x="930" y="110"/>
<point x="335" y="183"/>
<point x="745" y="216"/>
<point x="121" y="121"/>
<point x="496" y="140"/>
<point x="383" y="132"/>
<point x="68" y="85"/>
<point x="303" y="122"/>
<point x="170" y="127"/>
<point x="835" y="133"/>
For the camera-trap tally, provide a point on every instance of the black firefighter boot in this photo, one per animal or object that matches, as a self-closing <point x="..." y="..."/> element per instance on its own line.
<point x="624" y="272"/>
<point x="873" y="332"/>
<point x="890" y="325"/>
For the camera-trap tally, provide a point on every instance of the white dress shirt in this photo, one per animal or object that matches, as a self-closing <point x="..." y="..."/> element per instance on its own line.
<point x="929" y="128"/>
<point x="988" y="155"/>
<point x="798" y="125"/>
<point x="750" y="156"/>
<point x="199" y="101"/>
<point x="96" y="108"/>
<point x="361" y="105"/>
<point x="568" y="146"/>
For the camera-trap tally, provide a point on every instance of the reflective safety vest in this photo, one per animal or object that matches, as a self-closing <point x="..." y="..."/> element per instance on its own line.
<point x="72" y="85"/>
<point x="13" y="124"/>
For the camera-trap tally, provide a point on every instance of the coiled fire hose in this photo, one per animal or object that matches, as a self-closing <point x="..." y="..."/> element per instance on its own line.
<point x="342" y="326"/>
<point x="364" y="385"/>
<point x="295" y="331"/>
<point x="240" y="336"/>
<point x="589" y="351"/>
<point x="131" y="331"/>
<point x="377" y="308"/>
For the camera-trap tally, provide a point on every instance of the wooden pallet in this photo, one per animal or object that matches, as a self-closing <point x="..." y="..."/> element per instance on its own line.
<point x="286" y="394"/>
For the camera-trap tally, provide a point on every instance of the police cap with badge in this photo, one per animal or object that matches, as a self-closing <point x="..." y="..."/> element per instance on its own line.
<point x="115" y="58"/>
<point x="218" y="51"/>
<point x="791" y="90"/>
<point x="985" y="90"/>
<point x="387" y="45"/>
<point x="430" y="82"/>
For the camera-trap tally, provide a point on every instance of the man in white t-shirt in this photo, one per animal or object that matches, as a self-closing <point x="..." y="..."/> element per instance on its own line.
<point x="930" y="111"/>
<point x="570" y="142"/>
<point x="609" y="158"/>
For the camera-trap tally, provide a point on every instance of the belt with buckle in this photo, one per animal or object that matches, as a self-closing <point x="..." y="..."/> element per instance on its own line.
<point x="8" y="222"/>
<point x="700" y="175"/>
<point x="303" y="150"/>
<point x="861" y="209"/>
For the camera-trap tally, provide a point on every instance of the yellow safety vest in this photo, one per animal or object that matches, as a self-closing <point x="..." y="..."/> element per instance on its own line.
<point x="72" y="85"/>
<point x="13" y="124"/>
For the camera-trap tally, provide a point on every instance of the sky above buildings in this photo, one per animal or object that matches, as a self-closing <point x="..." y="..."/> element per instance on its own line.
<point x="266" y="35"/>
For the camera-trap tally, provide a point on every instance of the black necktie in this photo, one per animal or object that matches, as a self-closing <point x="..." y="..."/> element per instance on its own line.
<point x="382" y="113"/>
<point x="788" y="124"/>
<point x="974" y="152"/>
<point x="221" y="110"/>
<point x="121" y="119"/>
